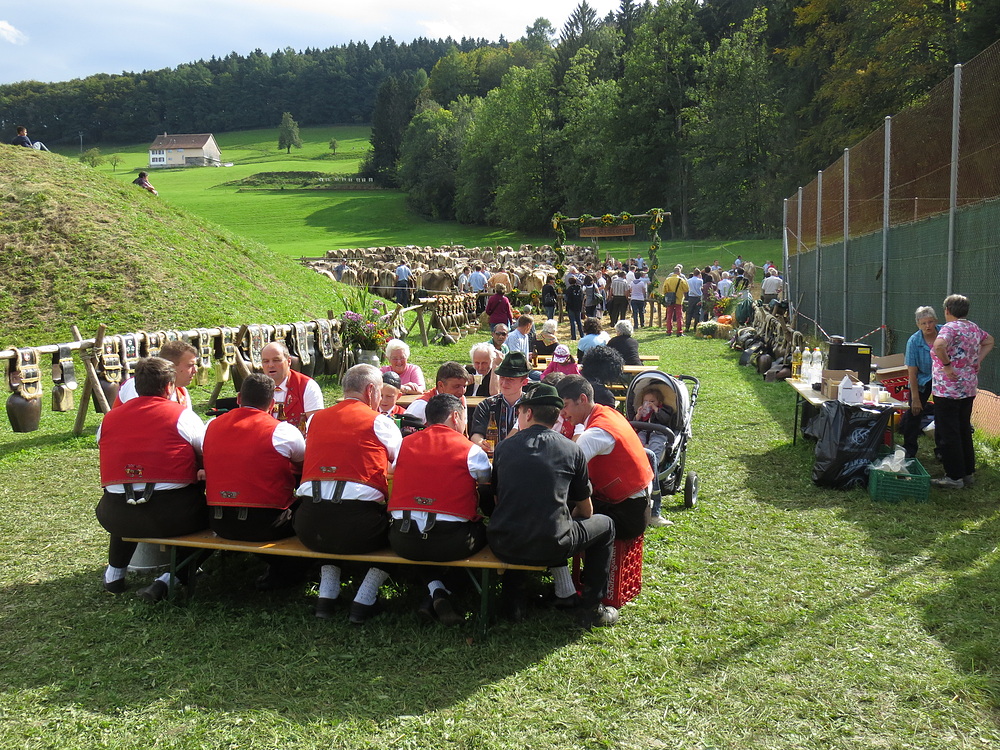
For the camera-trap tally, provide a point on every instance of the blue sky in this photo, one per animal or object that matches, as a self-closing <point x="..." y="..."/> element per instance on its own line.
<point x="56" y="40"/>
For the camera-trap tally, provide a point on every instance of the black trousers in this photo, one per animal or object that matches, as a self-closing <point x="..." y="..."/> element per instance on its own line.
<point x="909" y="425"/>
<point x="953" y="435"/>
<point x="166" y="513"/>
<point x="250" y="524"/>
<point x="350" y="527"/>
<point x="693" y="315"/>
<point x="618" y="309"/>
<point x="629" y="515"/>
<point x="443" y="542"/>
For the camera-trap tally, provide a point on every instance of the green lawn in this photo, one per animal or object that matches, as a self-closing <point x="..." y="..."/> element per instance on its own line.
<point x="775" y="615"/>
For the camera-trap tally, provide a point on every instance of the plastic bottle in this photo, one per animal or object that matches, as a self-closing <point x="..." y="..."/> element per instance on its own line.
<point x="797" y="363"/>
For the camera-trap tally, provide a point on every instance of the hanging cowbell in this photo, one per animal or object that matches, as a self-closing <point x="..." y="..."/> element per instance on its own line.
<point x="24" y="407"/>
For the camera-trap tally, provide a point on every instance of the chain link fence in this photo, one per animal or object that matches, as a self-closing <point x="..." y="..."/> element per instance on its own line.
<point x="906" y="217"/>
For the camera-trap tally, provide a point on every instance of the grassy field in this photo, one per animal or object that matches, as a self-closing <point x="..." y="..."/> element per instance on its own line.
<point x="775" y="615"/>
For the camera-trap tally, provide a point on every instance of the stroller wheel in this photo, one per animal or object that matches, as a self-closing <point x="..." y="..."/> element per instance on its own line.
<point x="691" y="490"/>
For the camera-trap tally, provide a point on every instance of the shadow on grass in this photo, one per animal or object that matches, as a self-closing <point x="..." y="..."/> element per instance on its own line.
<point x="233" y="649"/>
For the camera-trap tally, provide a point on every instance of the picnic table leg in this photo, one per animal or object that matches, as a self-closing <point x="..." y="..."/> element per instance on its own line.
<point x="485" y="604"/>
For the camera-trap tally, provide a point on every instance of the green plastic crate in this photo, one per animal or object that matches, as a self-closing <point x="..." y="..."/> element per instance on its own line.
<point x="893" y="487"/>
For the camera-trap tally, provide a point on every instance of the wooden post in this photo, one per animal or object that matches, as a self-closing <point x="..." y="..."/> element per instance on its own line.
<point x="92" y="385"/>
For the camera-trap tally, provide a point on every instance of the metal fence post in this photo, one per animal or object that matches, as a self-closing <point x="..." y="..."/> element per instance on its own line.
<point x="798" y="252"/>
<point x="847" y="226"/>
<point x="956" y="114"/>
<point x="819" y="242"/>
<point x="886" y="187"/>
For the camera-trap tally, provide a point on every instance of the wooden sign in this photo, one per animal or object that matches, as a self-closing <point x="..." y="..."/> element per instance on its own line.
<point x="622" y="230"/>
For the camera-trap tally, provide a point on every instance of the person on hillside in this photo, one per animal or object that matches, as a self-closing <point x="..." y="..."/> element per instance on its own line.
<point x="143" y="181"/>
<point x="616" y="459"/>
<point x="150" y="449"/>
<point x="499" y="411"/>
<point x="675" y="289"/>
<point x="345" y="485"/>
<point x="624" y="343"/>
<point x="296" y="396"/>
<point x="184" y="358"/>
<point x="22" y="139"/>
<point x="958" y="352"/>
<point x="434" y="507"/>
<point x="544" y="514"/>
<point x="498" y="308"/>
<point x="411" y="377"/>
<point x="252" y="465"/>
<point x="919" y="376"/>
<point x="451" y="378"/>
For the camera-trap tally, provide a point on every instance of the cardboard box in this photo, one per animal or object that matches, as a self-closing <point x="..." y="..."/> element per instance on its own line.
<point x="831" y="381"/>
<point x="892" y="375"/>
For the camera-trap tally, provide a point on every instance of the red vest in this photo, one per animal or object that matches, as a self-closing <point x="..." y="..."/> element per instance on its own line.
<point x="140" y="444"/>
<point x="342" y="445"/>
<point x="432" y="474"/>
<point x="625" y="471"/>
<point x="180" y="396"/>
<point x="293" y="410"/>
<point x="428" y="395"/>
<point x="242" y="468"/>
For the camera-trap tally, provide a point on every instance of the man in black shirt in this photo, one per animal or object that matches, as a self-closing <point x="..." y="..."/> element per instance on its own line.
<point x="544" y="513"/>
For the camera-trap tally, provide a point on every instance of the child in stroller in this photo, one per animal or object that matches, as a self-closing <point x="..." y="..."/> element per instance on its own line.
<point x="654" y="411"/>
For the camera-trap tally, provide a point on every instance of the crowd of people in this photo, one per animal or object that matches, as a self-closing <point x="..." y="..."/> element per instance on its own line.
<point x="282" y="463"/>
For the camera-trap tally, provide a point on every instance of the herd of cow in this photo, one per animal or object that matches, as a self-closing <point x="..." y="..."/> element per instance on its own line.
<point x="436" y="269"/>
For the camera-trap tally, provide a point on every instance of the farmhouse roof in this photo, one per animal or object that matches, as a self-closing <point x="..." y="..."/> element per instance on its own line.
<point x="181" y="140"/>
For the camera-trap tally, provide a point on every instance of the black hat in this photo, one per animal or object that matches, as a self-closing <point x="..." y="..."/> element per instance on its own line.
<point x="542" y="394"/>
<point x="514" y="365"/>
<point x="392" y="378"/>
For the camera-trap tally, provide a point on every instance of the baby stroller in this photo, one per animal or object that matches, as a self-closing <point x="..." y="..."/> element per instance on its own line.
<point x="680" y="393"/>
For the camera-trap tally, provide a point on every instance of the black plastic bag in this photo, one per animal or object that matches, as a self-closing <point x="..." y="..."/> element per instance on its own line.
<point x="847" y="440"/>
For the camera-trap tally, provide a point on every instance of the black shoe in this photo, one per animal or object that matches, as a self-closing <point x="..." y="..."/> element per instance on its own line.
<point x="326" y="608"/>
<point x="154" y="592"/>
<point x="116" y="587"/>
<point x="598" y="617"/>
<point x="361" y="613"/>
<point x="426" y="610"/>
<point x="444" y="610"/>
<point x="566" y="602"/>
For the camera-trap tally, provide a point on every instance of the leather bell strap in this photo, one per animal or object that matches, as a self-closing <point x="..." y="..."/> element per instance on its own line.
<point x="153" y="343"/>
<point x="206" y="344"/>
<point x="226" y="349"/>
<point x="302" y="347"/>
<point x="325" y="338"/>
<point x="128" y="347"/>
<point x="257" y="337"/>
<point x="109" y="364"/>
<point x="63" y="368"/>
<point x="24" y="375"/>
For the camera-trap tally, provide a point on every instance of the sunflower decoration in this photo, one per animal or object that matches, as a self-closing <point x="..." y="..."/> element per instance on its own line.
<point x="608" y="219"/>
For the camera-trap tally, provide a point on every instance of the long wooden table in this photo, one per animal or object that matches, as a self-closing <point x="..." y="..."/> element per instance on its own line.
<point x="409" y="398"/>
<point x="804" y="393"/>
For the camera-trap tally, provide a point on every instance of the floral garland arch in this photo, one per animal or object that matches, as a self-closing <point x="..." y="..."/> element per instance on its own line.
<point x="654" y="215"/>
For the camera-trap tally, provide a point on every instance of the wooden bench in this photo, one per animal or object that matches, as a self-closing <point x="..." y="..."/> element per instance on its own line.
<point x="484" y="561"/>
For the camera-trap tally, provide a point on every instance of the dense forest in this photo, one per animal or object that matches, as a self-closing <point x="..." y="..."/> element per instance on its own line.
<point x="711" y="109"/>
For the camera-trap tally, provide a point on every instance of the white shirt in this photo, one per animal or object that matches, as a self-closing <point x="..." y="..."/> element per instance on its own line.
<point x="127" y="392"/>
<point x="518" y="342"/>
<point x="286" y="440"/>
<point x="771" y="285"/>
<point x="594" y="441"/>
<point x="191" y="429"/>
<point x="479" y="468"/>
<point x="312" y="395"/>
<point x="389" y="435"/>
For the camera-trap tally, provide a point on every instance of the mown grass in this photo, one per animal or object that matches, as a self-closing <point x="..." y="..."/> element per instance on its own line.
<point x="775" y="615"/>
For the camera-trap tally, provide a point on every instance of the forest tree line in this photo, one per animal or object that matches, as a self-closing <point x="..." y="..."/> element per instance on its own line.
<point x="711" y="109"/>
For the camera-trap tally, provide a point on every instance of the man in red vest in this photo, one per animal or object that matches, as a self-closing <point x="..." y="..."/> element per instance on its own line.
<point x="150" y="449"/>
<point x="185" y="360"/>
<point x="434" y="506"/>
<point x="451" y="378"/>
<point x="616" y="459"/>
<point x="252" y="465"/>
<point x="543" y="511"/>
<point x="349" y="449"/>
<point x="296" y="396"/>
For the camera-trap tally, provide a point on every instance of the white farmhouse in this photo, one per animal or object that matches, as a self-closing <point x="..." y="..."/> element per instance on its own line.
<point x="185" y="150"/>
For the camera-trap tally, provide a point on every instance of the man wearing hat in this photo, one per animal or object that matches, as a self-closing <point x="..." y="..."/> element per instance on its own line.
<point x="543" y="512"/>
<point x="616" y="458"/>
<point x="500" y="409"/>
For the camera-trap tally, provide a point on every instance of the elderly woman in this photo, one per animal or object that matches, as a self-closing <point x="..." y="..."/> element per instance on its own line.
<point x="498" y="307"/>
<point x="484" y="380"/>
<point x="623" y="343"/>
<point x="411" y="378"/>
<point x="918" y="369"/>
<point x="548" y="338"/>
<point x="958" y="352"/>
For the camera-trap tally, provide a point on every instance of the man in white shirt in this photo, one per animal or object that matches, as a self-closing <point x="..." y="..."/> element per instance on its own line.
<point x="519" y="340"/>
<point x="770" y="287"/>
<point x="296" y="396"/>
<point x="185" y="360"/>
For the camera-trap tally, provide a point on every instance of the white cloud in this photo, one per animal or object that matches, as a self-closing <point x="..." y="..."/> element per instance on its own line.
<point x="9" y="34"/>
